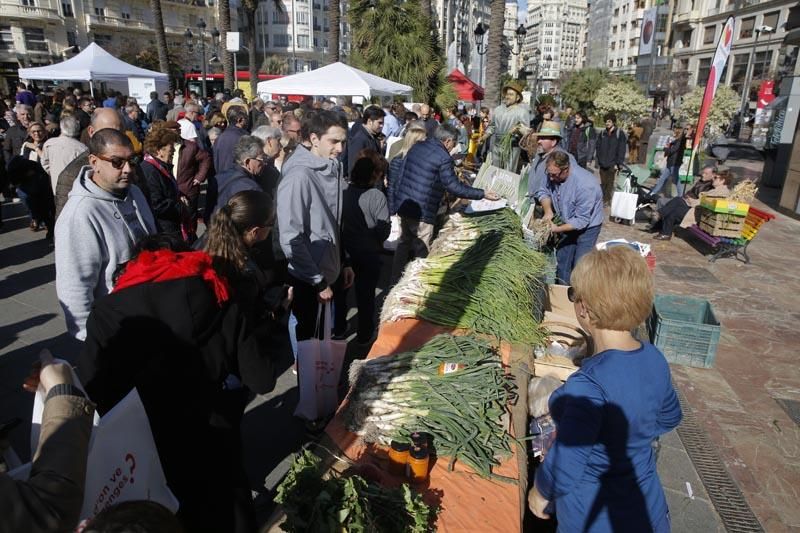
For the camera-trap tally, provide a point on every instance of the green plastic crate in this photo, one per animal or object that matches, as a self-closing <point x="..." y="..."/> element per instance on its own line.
<point x="685" y="330"/>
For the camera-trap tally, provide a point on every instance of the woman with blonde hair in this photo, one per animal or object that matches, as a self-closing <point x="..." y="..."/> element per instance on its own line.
<point x="414" y="132"/>
<point x="600" y="473"/>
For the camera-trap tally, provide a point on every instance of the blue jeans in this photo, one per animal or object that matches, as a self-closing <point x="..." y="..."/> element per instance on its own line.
<point x="669" y="174"/>
<point x="575" y="245"/>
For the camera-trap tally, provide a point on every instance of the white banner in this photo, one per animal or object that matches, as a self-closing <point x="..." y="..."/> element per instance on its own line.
<point x="232" y="41"/>
<point x="648" y="31"/>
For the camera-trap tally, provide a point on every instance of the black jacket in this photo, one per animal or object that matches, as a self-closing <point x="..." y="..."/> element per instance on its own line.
<point x="156" y="110"/>
<point x="12" y="144"/>
<point x="175" y="344"/>
<point x="611" y="149"/>
<point x="359" y="139"/>
<point x="674" y="151"/>
<point x="233" y="180"/>
<point x="162" y="194"/>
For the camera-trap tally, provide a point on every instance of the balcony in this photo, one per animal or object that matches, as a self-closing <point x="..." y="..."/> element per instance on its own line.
<point x="14" y="10"/>
<point x="116" y="22"/>
<point x="687" y="17"/>
<point x="193" y="3"/>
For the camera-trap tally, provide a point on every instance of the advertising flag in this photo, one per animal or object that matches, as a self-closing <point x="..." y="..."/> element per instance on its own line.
<point x="714" y="75"/>
<point x="648" y="31"/>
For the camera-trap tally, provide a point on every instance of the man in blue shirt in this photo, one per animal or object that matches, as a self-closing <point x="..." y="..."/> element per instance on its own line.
<point x="574" y="194"/>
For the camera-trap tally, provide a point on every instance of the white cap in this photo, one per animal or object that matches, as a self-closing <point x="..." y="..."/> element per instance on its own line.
<point x="188" y="131"/>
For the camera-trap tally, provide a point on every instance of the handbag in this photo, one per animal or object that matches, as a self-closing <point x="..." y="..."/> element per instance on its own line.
<point x="319" y="365"/>
<point x="624" y="202"/>
<point x="123" y="463"/>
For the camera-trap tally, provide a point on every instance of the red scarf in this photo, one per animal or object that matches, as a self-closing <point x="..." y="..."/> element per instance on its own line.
<point x="165" y="265"/>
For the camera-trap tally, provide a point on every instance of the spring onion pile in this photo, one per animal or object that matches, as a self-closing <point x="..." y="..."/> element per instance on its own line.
<point x="454" y="388"/>
<point x="480" y="276"/>
<point x="315" y="504"/>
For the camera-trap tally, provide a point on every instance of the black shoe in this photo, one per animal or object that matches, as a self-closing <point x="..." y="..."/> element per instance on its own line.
<point x="662" y="237"/>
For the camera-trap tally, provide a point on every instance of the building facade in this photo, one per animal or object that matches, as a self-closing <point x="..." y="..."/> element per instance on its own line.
<point x="297" y="32"/>
<point x="758" y="31"/>
<point x="554" y="42"/>
<point x="455" y="21"/>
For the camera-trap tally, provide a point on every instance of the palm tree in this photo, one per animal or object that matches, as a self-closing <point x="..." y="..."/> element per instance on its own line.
<point x="334" y="9"/>
<point x="161" y="40"/>
<point x="224" y="7"/>
<point x="495" y="52"/>
<point x="250" y="7"/>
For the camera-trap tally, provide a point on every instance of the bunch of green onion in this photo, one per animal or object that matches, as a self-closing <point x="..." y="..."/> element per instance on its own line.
<point x="464" y="411"/>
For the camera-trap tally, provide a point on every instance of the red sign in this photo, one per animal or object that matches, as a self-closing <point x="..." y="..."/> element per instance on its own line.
<point x="765" y="94"/>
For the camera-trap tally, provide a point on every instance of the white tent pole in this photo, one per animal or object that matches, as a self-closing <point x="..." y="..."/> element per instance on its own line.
<point x="91" y="88"/>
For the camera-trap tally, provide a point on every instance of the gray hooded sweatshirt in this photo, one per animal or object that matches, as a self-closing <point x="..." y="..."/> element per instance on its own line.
<point x="95" y="233"/>
<point x="309" y="215"/>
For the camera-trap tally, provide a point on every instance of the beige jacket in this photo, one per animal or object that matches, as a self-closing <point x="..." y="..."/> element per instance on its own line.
<point x="51" y="499"/>
<point x="692" y="216"/>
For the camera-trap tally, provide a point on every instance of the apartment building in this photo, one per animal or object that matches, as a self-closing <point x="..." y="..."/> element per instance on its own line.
<point x="41" y="32"/>
<point x="455" y="21"/>
<point x="554" y="42"/>
<point x="510" y="25"/>
<point x="758" y="28"/>
<point x="298" y="32"/>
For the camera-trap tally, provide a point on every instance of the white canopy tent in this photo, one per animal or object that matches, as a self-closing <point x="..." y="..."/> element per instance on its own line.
<point x="92" y="64"/>
<point x="336" y="79"/>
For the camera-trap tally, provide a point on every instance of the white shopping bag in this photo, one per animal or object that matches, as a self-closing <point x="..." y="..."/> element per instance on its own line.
<point x="123" y="462"/>
<point x="319" y="364"/>
<point x="394" y="235"/>
<point x="623" y="205"/>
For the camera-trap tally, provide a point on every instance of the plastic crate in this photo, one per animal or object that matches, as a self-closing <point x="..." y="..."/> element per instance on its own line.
<point x="685" y="330"/>
<point x="723" y="205"/>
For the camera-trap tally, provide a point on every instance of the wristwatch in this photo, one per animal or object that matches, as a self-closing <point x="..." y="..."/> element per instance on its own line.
<point x="65" y="389"/>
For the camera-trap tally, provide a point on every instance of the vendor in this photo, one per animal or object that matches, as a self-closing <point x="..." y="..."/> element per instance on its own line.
<point x="573" y="203"/>
<point x="600" y="473"/>
<point x="510" y="117"/>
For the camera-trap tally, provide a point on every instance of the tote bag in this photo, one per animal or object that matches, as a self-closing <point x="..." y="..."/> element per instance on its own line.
<point x="319" y="364"/>
<point x="623" y="203"/>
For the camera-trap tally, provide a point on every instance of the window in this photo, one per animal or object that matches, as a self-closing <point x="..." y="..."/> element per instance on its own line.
<point x="611" y="63"/>
<point x="72" y="38"/>
<point x="683" y="65"/>
<point x="100" y="11"/>
<point x="619" y="62"/>
<point x="125" y="13"/>
<point x="281" y="40"/>
<point x="302" y="41"/>
<point x="66" y="9"/>
<point x="746" y="29"/>
<point x="631" y="60"/>
<point x="771" y="19"/>
<point x="6" y="40"/>
<point x="703" y="68"/>
<point x="103" y="40"/>
<point x="614" y="45"/>
<point x="710" y="33"/>
<point x="34" y="39"/>
<point x="302" y="17"/>
<point x="29" y="3"/>
<point x="280" y="17"/>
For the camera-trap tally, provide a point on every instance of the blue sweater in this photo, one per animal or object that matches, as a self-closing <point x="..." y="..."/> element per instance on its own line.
<point x="600" y="472"/>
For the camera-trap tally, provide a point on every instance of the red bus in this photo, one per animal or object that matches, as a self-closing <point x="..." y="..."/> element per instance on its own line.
<point x="193" y="81"/>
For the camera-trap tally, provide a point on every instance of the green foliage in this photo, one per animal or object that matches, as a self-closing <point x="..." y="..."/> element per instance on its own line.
<point x="623" y="98"/>
<point x="545" y="99"/>
<point x="446" y="96"/>
<point x="583" y="86"/>
<point x="317" y="504"/>
<point x="394" y="40"/>
<point x="725" y="104"/>
<point x="274" y="65"/>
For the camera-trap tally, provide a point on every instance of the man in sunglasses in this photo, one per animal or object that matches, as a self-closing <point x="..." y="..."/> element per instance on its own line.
<point x="104" y="218"/>
<point x="574" y="195"/>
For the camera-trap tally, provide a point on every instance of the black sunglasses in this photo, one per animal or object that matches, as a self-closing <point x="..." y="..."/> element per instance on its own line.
<point x="571" y="296"/>
<point x="119" y="162"/>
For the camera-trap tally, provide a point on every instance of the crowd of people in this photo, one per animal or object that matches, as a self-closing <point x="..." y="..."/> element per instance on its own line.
<point x="249" y="214"/>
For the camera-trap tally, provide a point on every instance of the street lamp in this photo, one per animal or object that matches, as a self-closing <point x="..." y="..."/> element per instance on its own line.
<point x="201" y="25"/>
<point x="520" y="33"/>
<point x="749" y="74"/>
<point x="480" y="33"/>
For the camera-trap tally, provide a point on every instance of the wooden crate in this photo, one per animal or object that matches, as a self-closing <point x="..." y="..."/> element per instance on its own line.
<point x="721" y="224"/>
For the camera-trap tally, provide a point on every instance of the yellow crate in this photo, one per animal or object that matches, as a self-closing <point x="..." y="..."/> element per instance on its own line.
<point x="723" y="205"/>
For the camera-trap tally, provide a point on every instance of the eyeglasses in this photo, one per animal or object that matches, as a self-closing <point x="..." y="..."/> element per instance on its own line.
<point x="571" y="296"/>
<point x="119" y="162"/>
<point x="556" y="174"/>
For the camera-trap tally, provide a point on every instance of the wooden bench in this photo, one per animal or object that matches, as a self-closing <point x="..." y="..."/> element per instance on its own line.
<point x="734" y="247"/>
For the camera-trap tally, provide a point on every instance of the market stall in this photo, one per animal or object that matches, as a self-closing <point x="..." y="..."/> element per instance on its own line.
<point x="95" y="64"/>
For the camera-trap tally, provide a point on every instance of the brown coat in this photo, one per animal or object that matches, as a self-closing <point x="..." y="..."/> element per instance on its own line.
<point x="691" y="217"/>
<point x="52" y="497"/>
<point x="194" y="163"/>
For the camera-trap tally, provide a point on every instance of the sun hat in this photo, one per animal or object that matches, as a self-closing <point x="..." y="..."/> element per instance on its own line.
<point x="514" y="85"/>
<point x="549" y="129"/>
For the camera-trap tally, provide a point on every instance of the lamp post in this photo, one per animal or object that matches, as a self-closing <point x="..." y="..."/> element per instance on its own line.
<point x="201" y="25"/>
<point x="749" y="74"/>
<point x="480" y="33"/>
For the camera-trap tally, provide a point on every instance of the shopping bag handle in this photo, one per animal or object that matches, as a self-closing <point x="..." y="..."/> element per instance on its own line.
<point x="327" y="325"/>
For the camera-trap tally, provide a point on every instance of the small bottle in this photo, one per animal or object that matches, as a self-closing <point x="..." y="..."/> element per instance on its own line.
<point x="398" y="457"/>
<point x="417" y="466"/>
<point x="419" y="440"/>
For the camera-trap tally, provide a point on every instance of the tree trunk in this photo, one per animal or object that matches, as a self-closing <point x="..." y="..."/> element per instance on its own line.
<point x="161" y="41"/>
<point x="333" y="31"/>
<point x="224" y="27"/>
<point x="495" y="52"/>
<point x="252" y="67"/>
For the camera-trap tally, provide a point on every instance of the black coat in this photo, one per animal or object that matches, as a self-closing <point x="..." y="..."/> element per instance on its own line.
<point x="176" y="345"/>
<point x="162" y="193"/>
<point x="359" y="139"/>
<point x="611" y="149"/>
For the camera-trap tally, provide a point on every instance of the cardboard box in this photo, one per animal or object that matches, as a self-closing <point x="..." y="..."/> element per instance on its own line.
<point x="561" y="321"/>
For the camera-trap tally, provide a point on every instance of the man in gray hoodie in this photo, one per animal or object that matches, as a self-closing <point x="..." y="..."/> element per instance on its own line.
<point x="103" y="219"/>
<point x="309" y="218"/>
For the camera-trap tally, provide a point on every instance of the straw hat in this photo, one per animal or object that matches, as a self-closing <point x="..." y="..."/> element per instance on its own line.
<point x="514" y="85"/>
<point x="549" y="129"/>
